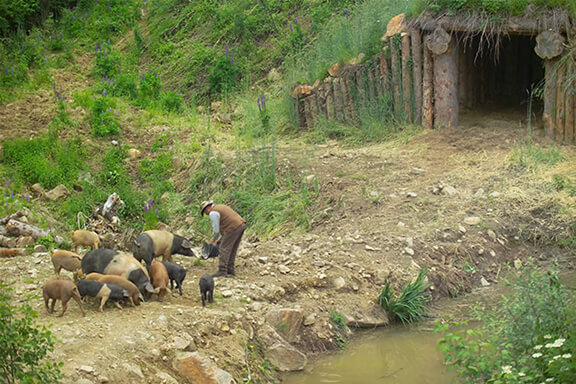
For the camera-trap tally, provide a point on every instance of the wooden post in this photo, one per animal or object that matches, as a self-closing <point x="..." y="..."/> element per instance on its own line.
<point x="427" y="90"/>
<point x="338" y="100"/>
<point x="445" y="88"/>
<point x="406" y="78"/>
<point x="299" y="108"/>
<point x="328" y="85"/>
<point x="384" y="73"/>
<point x="549" y="114"/>
<point x="417" y="74"/>
<point x="371" y="86"/>
<point x="309" y="117"/>
<point x="375" y="69"/>
<point x="559" y="129"/>
<point x="395" y="78"/>
<point x="359" y="83"/>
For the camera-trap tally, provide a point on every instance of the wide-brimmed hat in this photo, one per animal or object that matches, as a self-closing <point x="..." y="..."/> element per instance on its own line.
<point x="204" y="205"/>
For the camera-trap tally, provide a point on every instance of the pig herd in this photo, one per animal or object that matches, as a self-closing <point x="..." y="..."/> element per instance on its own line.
<point x="116" y="276"/>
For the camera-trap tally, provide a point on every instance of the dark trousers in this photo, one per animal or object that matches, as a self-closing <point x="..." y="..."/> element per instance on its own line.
<point x="228" y="249"/>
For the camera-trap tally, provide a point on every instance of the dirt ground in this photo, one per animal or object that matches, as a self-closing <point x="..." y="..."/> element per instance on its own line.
<point x="448" y="200"/>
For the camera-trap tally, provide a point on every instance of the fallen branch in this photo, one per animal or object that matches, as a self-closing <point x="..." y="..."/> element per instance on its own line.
<point x="18" y="228"/>
<point x="13" y="216"/>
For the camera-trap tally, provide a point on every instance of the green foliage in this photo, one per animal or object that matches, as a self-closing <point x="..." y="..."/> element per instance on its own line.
<point x="47" y="159"/>
<point x="25" y="344"/>
<point x="172" y="101"/>
<point x="527" y="337"/>
<point x="411" y="305"/>
<point x="341" y="329"/>
<point x="104" y="117"/>
<point x="224" y="76"/>
<point x="157" y="173"/>
<point x="17" y="13"/>
<point x="149" y="89"/>
<point x="533" y="157"/>
<point x="514" y="7"/>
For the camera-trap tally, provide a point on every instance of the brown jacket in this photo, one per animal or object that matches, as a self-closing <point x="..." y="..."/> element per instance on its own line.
<point x="229" y="219"/>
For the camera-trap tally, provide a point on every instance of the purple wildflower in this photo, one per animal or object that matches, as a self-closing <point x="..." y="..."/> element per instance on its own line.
<point x="227" y="50"/>
<point x="38" y="36"/>
<point x="27" y="198"/>
<point x="8" y="183"/>
<point x="156" y="212"/>
<point x="232" y="57"/>
<point x="11" y="195"/>
<point x="104" y="93"/>
<point x="346" y="12"/>
<point x="259" y="106"/>
<point x="296" y="21"/>
<point x="146" y="207"/>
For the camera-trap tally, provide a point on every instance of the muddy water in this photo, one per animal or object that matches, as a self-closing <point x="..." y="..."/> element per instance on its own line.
<point x="397" y="354"/>
<point x="392" y="355"/>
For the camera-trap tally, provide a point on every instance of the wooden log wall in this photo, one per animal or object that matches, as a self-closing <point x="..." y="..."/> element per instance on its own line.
<point x="417" y="94"/>
<point x="386" y="77"/>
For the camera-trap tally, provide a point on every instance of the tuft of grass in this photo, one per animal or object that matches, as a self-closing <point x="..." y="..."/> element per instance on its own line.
<point x="410" y="306"/>
<point x="341" y="329"/>
<point x="533" y="157"/>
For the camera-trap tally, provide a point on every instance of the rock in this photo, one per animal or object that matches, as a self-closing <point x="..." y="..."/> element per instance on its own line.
<point x="263" y="260"/>
<point x="37" y="189"/>
<point x="58" y="193"/>
<point x="472" y="220"/>
<point x="462" y="229"/>
<point x="133" y="154"/>
<point x="367" y="317"/>
<point x="285" y="357"/>
<point x="133" y="370"/>
<point x="40" y="248"/>
<point x="287" y="323"/>
<point x="166" y="378"/>
<point x="181" y="343"/>
<point x="283" y="269"/>
<point x="227" y="293"/>
<point x="417" y="171"/>
<point x="310" y="319"/>
<point x="409" y="251"/>
<point x="310" y="178"/>
<point x="492" y="235"/>
<point x="199" y="369"/>
<point x="86" y="369"/>
<point x="484" y="282"/>
<point x="449" y="190"/>
<point x="412" y="194"/>
<point x="24" y="241"/>
<point x="339" y="283"/>
<point x="103" y="379"/>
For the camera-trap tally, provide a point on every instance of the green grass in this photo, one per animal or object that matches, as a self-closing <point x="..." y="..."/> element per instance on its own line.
<point x="410" y="306"/>
<point x="533" y="157"/>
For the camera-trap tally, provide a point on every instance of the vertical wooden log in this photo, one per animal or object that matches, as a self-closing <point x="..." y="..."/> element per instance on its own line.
<point x="395" y="61"/>
<point x="349" y="106"/>
<point x="338" y="99"/>
<point x="417" y="74"/>
<point x="427" y="90"/>
<point x="322" y="92"/>
<point x="406" y="78"/>
<point x="375" y="69"/>
<point x="385" y="73"/>
<point x="299" y="108"/>
<point x="560" y="93"/>
<point x="359" y="84"/>
<point x="307" y="101"/>
<point x="548" y="117"/>
<point x="445" y="88"/>
<point x="329" y="86"/>
<point x="371" y="86"/>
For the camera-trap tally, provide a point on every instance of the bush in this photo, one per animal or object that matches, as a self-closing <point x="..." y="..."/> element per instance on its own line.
<point x="411" y="305"/>
<point x="25" y="345"/>
<point x="527" y="337"/>
<point x="104" y="118"/>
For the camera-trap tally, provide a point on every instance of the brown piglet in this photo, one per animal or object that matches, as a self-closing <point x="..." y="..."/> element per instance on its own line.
<point x="85" y="238"/>
<point x="61" y="290"/>
<point x="159" y="278"/>
<point x="67" y="260"/>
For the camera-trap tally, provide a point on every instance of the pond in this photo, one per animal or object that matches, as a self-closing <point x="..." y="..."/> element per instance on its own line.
<point x="399" y="355"/>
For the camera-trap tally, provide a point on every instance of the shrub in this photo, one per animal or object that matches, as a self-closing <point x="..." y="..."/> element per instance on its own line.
<point x="527" y="337"/>
<point x="411" y="305"/>
<point x="104" y="118"/>
<point x="149" y="89"/>
<point x="25" y="344"/>
<point x="224" y="75"/>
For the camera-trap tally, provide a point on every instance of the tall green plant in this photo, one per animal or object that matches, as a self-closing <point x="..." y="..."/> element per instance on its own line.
<point x="25" y="344"/>
<point x="527" y="337"/>
<point x="410" y="306"/>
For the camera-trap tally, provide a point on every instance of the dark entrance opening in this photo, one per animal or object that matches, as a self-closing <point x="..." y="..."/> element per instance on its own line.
<point x="502" y="79"/>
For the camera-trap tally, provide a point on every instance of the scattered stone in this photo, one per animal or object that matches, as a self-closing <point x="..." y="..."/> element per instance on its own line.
<point x="103" y="379"/>
<point x="462" y="229"/>
<point x="287" y="322"/>
<point x="86" y="369"/>
<point x="133" y="369"/>
<point x="417" y="171"/>
<point x="495" y="194"/>
<point x="285" y="357"/>
<point x="37" y="189"/>
<point x="24" y="241"/>
<point x="166" y="378"/>
<point x="319" y="263"/>
<point x="40" y="248"/>
<point x="411" y="194"/>
<point x="409" y="251"/>
<point x="484" y="282"/>
<point x="472" y="220"/>
<point x="58" y="193"/>
<point x="481" y="251"/>
<point x="283" y="269"/>
<point x="310" y="178"/>
<point x="492" y="235"/>
<point x="401" y="224"/>
<point x="263" y="260"/>
<point x="196" y="368"/>
<point x="227" y="293"/>
<point x="339" y="283"/>
<point x="310" y="319"/>
<point x="181" y="343"/>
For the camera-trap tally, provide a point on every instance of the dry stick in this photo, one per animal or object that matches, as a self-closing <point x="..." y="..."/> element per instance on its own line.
<point x="416" y="39"/>
<point x="406" y="81"/>
<point x="427" y="89"/>
<point x="549" y="96"/>
<point x="395" y="78"/>
<point x="559" y="130"/>
<point x="12" y="216"/>
<point x="14" y="226"/>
